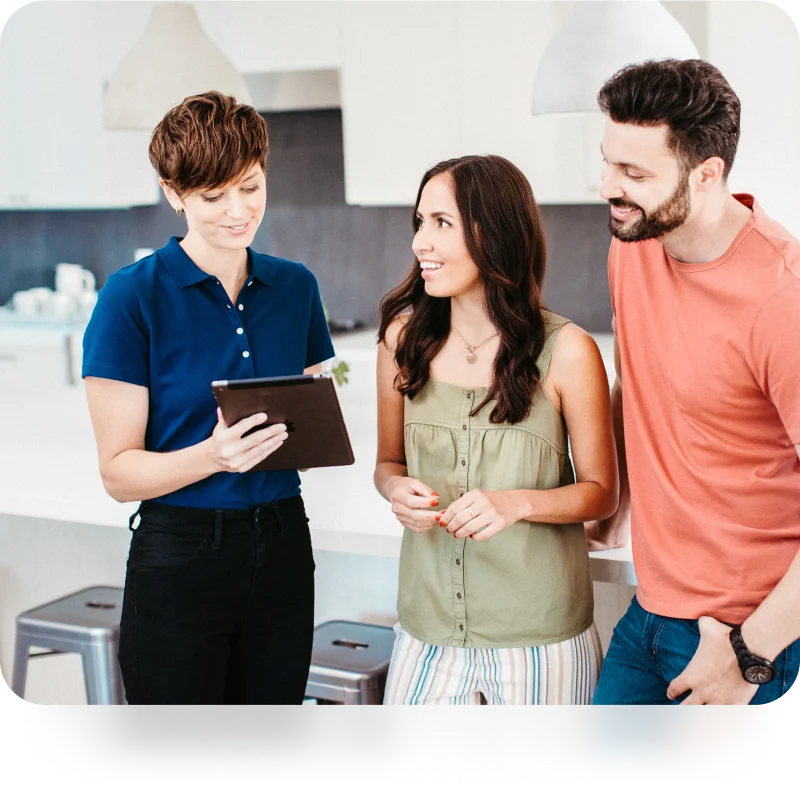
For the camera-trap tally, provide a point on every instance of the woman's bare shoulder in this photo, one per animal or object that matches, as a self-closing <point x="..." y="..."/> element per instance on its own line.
<point x="393" y="331"/>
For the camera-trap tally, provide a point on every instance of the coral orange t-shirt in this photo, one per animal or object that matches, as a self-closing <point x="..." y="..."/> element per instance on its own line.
<point x="710" y="358"/>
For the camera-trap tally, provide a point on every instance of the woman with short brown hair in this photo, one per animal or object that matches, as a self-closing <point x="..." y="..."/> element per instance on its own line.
<point x="219" y="591"/>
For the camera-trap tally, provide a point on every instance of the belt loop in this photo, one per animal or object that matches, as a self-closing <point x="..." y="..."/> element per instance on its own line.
<point x="133" y="518"/>
<point x="217" y="544"/>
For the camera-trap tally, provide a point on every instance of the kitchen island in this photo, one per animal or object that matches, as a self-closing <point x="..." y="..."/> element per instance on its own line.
<point x="59" y="529"/>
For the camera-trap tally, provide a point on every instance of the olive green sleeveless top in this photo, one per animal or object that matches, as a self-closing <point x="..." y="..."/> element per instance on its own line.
<point x="529" y="584"/>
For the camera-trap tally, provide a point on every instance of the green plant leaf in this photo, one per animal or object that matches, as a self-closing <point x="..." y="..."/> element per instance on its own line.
<point x="340" y="371"/>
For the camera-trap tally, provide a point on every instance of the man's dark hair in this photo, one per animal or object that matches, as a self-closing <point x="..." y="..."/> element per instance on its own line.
<point x="690" y="96"/>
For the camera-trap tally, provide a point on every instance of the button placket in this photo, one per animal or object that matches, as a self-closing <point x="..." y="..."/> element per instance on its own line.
<point x="240" y="331"/>
<point x="462" y="477"/>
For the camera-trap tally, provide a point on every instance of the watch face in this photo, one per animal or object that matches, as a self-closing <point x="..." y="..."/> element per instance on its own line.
<point x="758" y="674"/>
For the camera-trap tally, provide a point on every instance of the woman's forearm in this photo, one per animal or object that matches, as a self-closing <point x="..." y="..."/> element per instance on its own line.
<point x="136" y="475"/>
<point x="385" y="472"/>
<point x="576" y="503"/>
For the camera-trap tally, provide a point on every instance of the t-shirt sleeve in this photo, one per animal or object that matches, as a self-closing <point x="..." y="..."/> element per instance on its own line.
<point x="116" y="341"/>
<point x="319" y="346"/>
<point x="612" y="259"/>
<point x="775" y="355"/>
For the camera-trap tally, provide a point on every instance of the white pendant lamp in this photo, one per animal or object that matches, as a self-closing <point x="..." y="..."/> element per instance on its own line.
<point x="598" y="40"/>
<point x="173" y="59"/>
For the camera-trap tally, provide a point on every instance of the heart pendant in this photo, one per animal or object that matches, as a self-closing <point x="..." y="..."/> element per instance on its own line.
<point x="472" y="358"/>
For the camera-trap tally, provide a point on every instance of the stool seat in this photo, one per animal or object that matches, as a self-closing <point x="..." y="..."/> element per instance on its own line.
<point x="84" y="622"/>
<point x="349" y="662"/>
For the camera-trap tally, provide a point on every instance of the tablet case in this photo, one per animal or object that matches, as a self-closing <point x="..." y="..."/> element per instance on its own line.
<point x="309" y="408"/>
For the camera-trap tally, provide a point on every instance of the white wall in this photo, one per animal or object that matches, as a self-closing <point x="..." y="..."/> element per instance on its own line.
<point x="757" y="47"/>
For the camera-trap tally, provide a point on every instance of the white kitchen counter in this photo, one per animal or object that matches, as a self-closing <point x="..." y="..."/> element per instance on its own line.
<point x="48" y="468"/>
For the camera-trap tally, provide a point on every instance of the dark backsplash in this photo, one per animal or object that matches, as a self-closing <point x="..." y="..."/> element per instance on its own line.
<point x="357" y="254"/>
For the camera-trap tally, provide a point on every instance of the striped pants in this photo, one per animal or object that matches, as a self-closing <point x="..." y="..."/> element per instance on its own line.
<point x="563" y="673"/>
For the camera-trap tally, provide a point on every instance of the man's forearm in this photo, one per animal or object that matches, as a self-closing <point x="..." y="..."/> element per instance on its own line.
<point x="775" y="624"/>
<point x="619" y="520"/>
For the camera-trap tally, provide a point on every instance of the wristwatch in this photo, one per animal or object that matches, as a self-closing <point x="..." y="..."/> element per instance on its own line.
<point x="754" y="668"/>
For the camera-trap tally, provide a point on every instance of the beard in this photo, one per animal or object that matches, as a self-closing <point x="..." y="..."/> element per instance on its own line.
<point x="669" y="216"/>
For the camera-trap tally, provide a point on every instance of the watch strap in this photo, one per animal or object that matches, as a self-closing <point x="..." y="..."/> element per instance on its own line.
<point x="748" y="660"/>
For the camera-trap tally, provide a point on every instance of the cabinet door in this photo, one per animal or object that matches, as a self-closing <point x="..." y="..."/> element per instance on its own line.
<point x="399" y="90"/>
<point x="500" y="46"/>
<point x="55" y="148"/>
<point x="756" y="46"/>
<point x="55" y="104"/>
<point x="9" y="155"/>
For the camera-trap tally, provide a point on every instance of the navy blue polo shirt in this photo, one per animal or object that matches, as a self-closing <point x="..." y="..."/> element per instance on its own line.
<point x="165" y="324"/>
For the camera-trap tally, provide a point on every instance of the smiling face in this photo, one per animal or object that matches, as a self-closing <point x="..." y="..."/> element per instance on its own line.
<point x="227" y="217"/>
<point x="648" y="190"/>
<point x="445" y="262"/>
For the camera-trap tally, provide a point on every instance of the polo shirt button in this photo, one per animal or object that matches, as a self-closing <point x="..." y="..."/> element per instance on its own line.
<point x="463" y="463"/>
<point x="250" y="283"/>
<point x="240" y="331"/>
<point x="458" y="595"/>
<point x="245" y="354"/>
<point x="228" y="306"/>
<point x="241" y="307"/>
<point x="461" y="627"/>
<point x="458" y="561"/>
<point x="463" y="427"/>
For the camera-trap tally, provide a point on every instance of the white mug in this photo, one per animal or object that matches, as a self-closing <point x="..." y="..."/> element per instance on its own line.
<point x="43" y="297"/>
<point x="25" y="303"/>
<point x="72" y="278"/>
<point x="63" y="305"/>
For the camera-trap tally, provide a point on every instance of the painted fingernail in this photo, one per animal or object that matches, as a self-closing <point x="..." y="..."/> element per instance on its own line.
<point x="434" y="494"/>
<point x="435" y="503"/>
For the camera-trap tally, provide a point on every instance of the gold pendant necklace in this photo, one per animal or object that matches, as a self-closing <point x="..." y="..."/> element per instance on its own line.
<point x="472" y="357"/>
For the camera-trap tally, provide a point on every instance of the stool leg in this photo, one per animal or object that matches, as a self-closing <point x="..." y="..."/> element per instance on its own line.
<point x="99" y="670"/>
<point x="20" y="674"/>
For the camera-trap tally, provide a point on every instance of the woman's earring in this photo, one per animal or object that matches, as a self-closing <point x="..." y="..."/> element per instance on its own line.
<point x="179" y="211"/>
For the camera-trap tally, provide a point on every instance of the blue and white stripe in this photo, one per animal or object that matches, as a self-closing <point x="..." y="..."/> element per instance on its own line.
<point x="563" y="673"/>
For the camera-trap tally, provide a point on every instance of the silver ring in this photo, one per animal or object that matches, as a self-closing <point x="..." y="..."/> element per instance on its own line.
<point x="471" y="512"/>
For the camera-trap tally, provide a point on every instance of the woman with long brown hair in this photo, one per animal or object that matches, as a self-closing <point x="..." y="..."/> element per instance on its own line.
<point x="482" y="393"/>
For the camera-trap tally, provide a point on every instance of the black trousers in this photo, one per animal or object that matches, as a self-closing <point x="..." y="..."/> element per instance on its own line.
<point x="218" y="606"/>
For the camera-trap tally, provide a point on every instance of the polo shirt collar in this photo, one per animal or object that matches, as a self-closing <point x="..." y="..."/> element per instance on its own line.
<point x="186" y="272"/>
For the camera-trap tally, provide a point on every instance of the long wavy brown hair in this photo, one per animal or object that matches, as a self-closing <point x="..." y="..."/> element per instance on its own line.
<point x="505" y="238"/>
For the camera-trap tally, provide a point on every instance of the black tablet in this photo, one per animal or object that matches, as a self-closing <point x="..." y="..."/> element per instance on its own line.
<point x="309" y="408"/>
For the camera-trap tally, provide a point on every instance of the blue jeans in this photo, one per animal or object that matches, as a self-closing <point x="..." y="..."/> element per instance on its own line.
<point x="648" y="651"/>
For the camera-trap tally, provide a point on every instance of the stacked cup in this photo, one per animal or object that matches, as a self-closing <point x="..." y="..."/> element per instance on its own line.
<point x="75" y="290"/>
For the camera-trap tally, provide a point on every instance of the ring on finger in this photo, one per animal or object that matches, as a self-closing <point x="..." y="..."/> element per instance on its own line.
<point x="471" y="512"/>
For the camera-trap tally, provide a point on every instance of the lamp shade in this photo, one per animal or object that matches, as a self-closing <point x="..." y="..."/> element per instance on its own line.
<point x="598" y="40"/>
<point x="173" y="59"/>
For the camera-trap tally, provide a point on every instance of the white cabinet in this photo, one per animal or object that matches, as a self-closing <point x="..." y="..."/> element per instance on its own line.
<point x="767" y="162"/>
<point x="423" y="82"/>
<point x="400" y="93"/>
<point x="10" y="179"/>
<point x="55" y="152"/>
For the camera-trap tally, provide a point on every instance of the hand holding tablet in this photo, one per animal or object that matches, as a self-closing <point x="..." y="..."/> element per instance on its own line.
<point x="306" y="405"/>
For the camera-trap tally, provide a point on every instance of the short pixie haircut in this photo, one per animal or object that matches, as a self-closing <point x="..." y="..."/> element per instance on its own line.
<point x="206" y="141"/>
<point x="691" y="97"/>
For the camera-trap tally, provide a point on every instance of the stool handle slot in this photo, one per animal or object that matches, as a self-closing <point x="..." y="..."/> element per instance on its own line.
<point x="352" y="645"/>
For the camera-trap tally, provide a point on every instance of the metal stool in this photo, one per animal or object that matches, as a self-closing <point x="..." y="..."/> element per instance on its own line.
<point x="85" y="622"/>
<point x="349" y="663"/>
